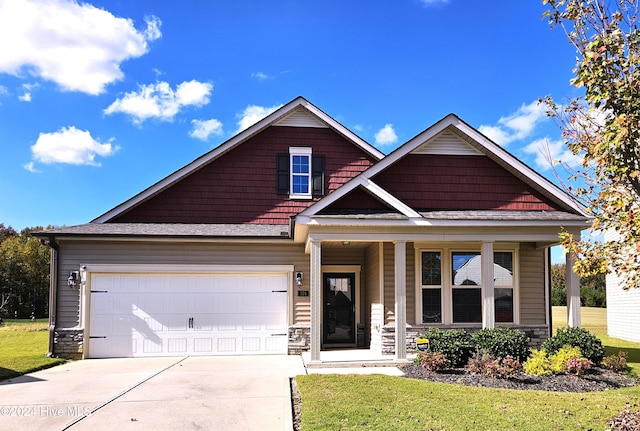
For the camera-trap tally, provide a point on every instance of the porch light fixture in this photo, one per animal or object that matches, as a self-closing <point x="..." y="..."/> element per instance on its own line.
<point x="346" y="243"/>
<point x="74" y="277"/>
<point x="298" y="279"/>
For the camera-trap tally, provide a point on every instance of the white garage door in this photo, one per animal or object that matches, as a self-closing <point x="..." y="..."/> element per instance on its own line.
<point x="187" y="314"/>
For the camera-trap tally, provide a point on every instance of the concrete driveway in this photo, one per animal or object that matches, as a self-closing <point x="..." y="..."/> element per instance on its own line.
<point x="192" y="393"/>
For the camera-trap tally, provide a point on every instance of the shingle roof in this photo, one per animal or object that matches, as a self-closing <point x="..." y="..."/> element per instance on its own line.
<point x="160" y="230"/>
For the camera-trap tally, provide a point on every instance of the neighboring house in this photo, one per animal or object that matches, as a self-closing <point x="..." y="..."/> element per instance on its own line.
<point x="297" y="235"/>
<point x="623" y="319"/>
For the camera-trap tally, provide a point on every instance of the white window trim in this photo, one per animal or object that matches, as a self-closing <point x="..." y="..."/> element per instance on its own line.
<point x="447" y="283"/>
<point x="300" y="151"/>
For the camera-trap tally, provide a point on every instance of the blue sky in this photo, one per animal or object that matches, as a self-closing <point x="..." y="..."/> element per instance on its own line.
<point x="99" y="100"/>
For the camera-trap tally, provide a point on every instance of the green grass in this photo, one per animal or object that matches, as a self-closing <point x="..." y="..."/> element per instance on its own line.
<point x="376" y="402"/>
<point x="23" y="347"/>
<point x="359" y="402"/>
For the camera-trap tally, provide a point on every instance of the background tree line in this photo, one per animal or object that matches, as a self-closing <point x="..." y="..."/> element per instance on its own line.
<point x="593" y="288"/>
<point x="24" y="274"/>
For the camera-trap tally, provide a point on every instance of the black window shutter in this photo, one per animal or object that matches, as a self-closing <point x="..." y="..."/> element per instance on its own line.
<point x="282" y="178"/>
<point x="317" y="175"/>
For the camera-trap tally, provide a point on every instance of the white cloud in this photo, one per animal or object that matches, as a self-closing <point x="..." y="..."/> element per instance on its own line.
<point x="252" y="114"/>
<point x="76" y="45"/>
<point x="4" y="91"/>
<point x="516" y="126"/>
<point x="69" y="146"/>
<point x="26" y="96"/>
<point x="260" y="76"/>
<point x="386" y="135"/>
<point x="160" y="101"/>
<point x="548" y="153"/>
<point x="31" y="167"/>
<point x="203" y="128"/>
<point x="434" y="2"/>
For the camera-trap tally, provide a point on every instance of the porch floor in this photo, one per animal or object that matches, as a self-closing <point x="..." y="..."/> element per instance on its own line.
<point x="353" y="359"/>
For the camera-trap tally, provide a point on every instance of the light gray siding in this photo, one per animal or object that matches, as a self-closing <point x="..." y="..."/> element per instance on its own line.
<point x="390" y="282"/>
<point x="532" y="285"/>
<point x="76" y="253"/>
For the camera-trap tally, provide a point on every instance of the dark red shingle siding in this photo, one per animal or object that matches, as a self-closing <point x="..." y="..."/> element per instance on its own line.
<point x="438" y="182"/>
<point x="240" y="186"/>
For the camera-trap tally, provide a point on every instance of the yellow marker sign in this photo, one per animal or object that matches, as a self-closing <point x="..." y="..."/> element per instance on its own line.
<point x="422" y="344"/>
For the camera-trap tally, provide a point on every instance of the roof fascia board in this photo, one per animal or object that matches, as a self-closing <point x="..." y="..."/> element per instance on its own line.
<point x="451" y="120"/>
<point x="388" y="198"/>
<point x="232" y="143"/>
<point x="173" y="239"/>
<point x="313" y="221"/>
<point x="529" y="173"/>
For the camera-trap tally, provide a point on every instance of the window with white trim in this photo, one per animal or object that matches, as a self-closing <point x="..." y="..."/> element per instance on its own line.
<point x="451" y="287"/>
<point x="300" y="172"/>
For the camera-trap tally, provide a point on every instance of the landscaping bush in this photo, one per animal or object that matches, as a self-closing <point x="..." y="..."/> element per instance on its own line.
<point x="560" y="359"/>
<point x="455" y="344"/>
<point x="617" y="363"/>
<point x="432" y="361"/>
<point x="538" y="364"/>
<point x="502" y="342"/>
<point x="483" y="363"/>
<point x="590" y="346"/>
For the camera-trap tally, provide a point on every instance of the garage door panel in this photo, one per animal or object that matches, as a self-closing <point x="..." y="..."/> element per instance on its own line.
<point x="149" y="314"/>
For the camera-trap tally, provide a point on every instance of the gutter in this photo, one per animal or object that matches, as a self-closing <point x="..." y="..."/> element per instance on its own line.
<point x="53" y="288"/>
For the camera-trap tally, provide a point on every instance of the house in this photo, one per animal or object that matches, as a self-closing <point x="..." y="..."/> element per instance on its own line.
<point x="623" y="320"/>
<point x="297" y="235"/>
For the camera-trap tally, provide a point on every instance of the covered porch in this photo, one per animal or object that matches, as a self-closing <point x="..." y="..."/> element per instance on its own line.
<point x="392" y="305"/>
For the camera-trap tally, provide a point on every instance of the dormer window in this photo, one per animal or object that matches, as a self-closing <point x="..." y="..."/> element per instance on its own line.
<point x="300" y="173"/>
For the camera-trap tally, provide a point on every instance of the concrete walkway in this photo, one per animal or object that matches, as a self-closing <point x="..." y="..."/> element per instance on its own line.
<point x="194" y="393"/>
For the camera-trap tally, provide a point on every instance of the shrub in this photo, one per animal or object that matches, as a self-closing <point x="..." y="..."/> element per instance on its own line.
<point x="455" y="344"/>
<point x="617" y="363"/>
<point x="590" y="297"/>
<point x="502" y="342"/>
<point x="538" y="364"/>
<point x="560" y="359"/>
<point x="479" y="362"/>
<point x="432" y="361"/>
<point x="590" y="346"/>
<point x="484" y="363"/>
<point x="558" y="296"/>
<point x="578" y="366"/>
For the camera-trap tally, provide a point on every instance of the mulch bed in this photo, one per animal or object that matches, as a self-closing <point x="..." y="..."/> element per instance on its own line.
<point x="596" y="380"/>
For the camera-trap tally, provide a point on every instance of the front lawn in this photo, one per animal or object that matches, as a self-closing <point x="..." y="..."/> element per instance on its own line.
<point x="23" y="348"/>
<point x="346" y="402"/>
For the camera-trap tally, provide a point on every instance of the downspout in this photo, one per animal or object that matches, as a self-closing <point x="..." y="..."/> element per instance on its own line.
<point x="53" y="289"/>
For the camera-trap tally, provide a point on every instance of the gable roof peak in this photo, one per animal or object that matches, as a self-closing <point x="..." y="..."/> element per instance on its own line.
<point x="242" y="136"/>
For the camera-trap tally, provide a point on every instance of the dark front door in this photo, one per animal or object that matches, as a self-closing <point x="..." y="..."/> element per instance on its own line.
<point x="339" y="314"/>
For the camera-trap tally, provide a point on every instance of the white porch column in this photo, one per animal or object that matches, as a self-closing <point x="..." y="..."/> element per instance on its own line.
<point x="573" y="292"/>
<point x="401" y="298"/>
<point x="316" y="300"/>
<point x="488" y="297"/>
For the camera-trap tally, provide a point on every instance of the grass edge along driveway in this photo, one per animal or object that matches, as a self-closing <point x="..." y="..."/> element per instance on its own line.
<point x="23" y="348"/>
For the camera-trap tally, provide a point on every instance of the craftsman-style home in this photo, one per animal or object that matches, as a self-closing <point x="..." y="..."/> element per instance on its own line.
<point x="297" y="235"/>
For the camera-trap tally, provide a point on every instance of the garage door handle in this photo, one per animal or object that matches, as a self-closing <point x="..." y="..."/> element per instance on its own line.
<point x="278" y="291"/>
<point x="278" y="335"/>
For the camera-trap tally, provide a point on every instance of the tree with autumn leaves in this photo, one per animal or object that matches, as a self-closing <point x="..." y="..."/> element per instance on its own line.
<point x="602" y="127"/>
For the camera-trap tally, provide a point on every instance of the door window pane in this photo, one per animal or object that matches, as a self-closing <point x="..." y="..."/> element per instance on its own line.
<point x="503" y="268"/>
